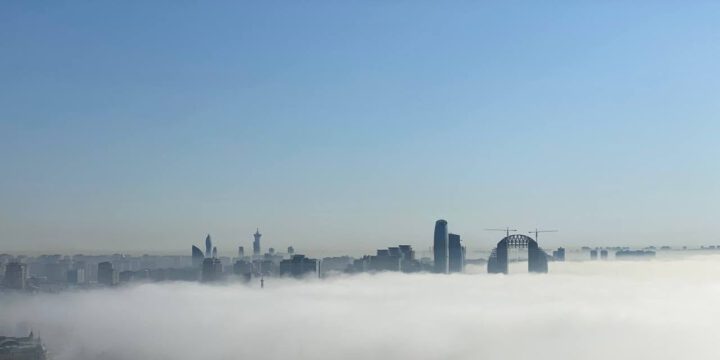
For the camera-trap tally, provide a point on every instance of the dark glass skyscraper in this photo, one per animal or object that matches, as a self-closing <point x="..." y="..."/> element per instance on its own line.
<point x="440" y="247"/>
<point x="197" y="256"/>
<point x="208" y="246"/>
<point x="456" y="254"/>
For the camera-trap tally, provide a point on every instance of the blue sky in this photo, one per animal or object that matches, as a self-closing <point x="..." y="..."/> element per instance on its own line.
<point x="349" y="126"/>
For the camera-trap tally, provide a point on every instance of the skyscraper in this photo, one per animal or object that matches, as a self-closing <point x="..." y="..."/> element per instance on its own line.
<point x="15" y="276"/>
<point x="211" y="270"/>
<point x="256" y="243"/>
<point x="197" y="256"/>
<point x="106" y="275"/>
<point x="76" y="276"/>
<point x="208" y="246"/>
<point x="456" y="254"/>
<point x="241" y="251"/>
<point x="298" y="266"/>
<point x="440" y="247"/>
<point x="214" y="254"/>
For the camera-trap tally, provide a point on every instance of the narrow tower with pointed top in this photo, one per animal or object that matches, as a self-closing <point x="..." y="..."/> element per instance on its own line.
<point x="208" y="246"/>
<point x="256" y="243"/>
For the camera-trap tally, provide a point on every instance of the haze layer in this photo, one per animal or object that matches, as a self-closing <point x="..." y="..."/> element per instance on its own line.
<point x="661" y="309"/>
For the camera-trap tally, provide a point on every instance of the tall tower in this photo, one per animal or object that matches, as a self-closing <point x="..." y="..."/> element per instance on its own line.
<point x="456" y="254"/>
<point x="197" y="256"/>
<point x="440" y="247"/>
<point x="208" y="246"/>
<point x="256" y="243"/>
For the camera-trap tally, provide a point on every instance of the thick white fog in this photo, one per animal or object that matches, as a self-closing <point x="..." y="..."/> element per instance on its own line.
<point x="661" y="309"/>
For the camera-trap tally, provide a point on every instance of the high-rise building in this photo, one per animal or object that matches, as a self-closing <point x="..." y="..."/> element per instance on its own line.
<point x="197" y="256"/>
<point x="407" y="259"/>
<point x="106" y="275"/>
<point x="559" y="254"/>
<point x="211" y="270"/>
<point x="208" y="246"/>
<point x="291" y="250"/>
<point x="214" y="254"/>
<point x="456" y="254"/>
<point x="603" y="254"/>
<point x="440" y="247"/>
<point x="385" y="260"/>
<point x="76" y="276"/>
<point x="241" y="251"/>
<point x="16" y="276"/>
<point x="243" y="269"/>
<point x="126" y="276"/>
<point x="256" y="243"/>
<point x="298" y="266"/>
<point x="407" y="252"/>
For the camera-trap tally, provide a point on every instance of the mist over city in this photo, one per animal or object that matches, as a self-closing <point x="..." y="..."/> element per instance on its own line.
<point x="601" y="310"/>
<point x="359" y="180"/>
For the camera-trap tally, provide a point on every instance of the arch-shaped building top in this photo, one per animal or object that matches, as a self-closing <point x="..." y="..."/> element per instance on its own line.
<point x="537" y="259"/>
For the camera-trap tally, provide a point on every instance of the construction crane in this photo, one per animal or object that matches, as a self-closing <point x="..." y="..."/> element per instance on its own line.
<point x="507" y="230"/>
<point x="536" y="232"/>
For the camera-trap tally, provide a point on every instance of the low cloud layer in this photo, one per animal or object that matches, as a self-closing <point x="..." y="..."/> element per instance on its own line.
<point x="662" y="309"/>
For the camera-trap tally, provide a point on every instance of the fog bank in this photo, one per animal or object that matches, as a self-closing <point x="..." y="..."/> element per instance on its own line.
<point x="662" y="309"/>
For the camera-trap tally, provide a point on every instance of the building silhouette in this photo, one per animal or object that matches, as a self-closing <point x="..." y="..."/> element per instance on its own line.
<point x="211" y="270"/>
<point x="76" y="276"/>
<point x="241" y="251"/>
<point x="593" y="254"/>
<point x="290" y="250"/>
<point x="603" y="254"/>
<point x="126" y="276"/>
<point x="16" y="274"/>
<point x="256" y="243"/>
<point x="337" y="264"/>
<point x="629" y="254"/>
<point x="265" y="266"/>
<point x="440" y="247"/>
<point x="299" y="266"/>
<point x="197" y="256"/>
<point x="106" y="275"/>
<point x="208" y="246"/>
<point x="243" y="269"/>
<point x="22" y="348"/>
<point x="456" y="254"/>
<point x="398" y="258"/>
<point x="214" y="253"/>
<point x="385" y="260"/>
<point x="498" y="261"/>
<point x="559" y="254"/>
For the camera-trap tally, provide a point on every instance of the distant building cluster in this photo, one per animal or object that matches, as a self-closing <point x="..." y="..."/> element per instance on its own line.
<point x="398" y="258"/>
<point x="447" y="255"/>
<point x="22" y="348"/>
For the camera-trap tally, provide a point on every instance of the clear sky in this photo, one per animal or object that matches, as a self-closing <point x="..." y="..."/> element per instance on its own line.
<point x="340" y="126"/>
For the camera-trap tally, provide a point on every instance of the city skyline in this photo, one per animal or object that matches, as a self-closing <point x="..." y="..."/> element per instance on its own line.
<point x="359" y="180"/>
<point x="595" y="118"/>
